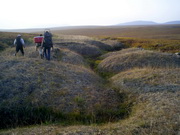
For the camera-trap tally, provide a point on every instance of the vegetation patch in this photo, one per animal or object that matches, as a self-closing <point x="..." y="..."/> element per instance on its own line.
<point x="81" y="48"/>
<point x="16" y="115"/>
<point x="93" y="63"/>
<point x="7" y="39"/>
<point x="54" y="91"/>
<point x="163" y="45"/>
<point x="132" y="91"/>
<point x="137" y="58"/>
<point x="148" y="80"/>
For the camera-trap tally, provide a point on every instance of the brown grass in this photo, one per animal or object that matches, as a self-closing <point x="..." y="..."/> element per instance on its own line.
<point x="59" y="54"/>
<point x="37" y="81"/>
<point x="81" y="48"/>
<point x="153" y="114"/>
<point x="163" y="45"/>
<point x="131" y="58"/>
<point x="150" y="32"/>
<point x="66" y="84"/>
<point x="157" y="37"/>
<point x="150" y="79"/>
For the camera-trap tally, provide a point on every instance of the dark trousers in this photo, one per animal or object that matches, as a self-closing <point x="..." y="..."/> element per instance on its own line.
<point x="19" y="48"/>
<point x="47" y="52"/>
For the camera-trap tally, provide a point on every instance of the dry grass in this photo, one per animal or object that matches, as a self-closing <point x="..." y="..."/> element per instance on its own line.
<point x="150" y="79"/>
<point x="64" y="84"/>
<point x="153" y="114"/>
<point x="86" y="46"/>
<point x="71" y="38"/>
<point x="123" y="51"/>
<point x="37" y="81"/>
<point x="68" y="56"/>
<point x="131" y="58"/>
<point x="157" y="37"/>
<point x="59" y="54"/>
<point x="81" y="48"/>
<point x="147" y="32"/>
<point x="163" y="45"/>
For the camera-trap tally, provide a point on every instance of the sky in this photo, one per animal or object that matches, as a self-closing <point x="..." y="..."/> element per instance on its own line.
<point x="19" y="14"/>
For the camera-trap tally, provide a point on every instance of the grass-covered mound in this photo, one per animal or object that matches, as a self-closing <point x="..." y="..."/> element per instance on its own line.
<point x="100" y="45"/>
<point x="81" y="48"/>
<point x="86" y="46"/>
<point x="58" y="54"/>
<point x="35" y="90"/>
<point x="136" y="58"/>
<point x="148" y="80"/>
<point x="67" y="91"/>
<point x="153" y="113"/>
<point x="48" y="84"/>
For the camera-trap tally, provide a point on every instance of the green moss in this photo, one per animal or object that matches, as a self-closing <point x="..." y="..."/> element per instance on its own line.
<point x="93" y="63"/>
<point x="105" y="75"/>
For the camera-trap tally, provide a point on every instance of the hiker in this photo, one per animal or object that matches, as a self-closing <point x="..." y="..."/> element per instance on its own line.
<point x="47" y="44"/>
<point x="19" y="42"/>
<point x="39" y="45"/>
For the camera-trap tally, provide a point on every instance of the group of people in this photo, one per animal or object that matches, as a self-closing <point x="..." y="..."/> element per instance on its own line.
<point x="43" y="47"/>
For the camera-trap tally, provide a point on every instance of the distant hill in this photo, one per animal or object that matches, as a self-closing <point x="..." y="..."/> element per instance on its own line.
<point x="173" y="22"/>
<point x="148" y="23"/>
<point x="139" y="23"/>
<point x="88" y="27"/>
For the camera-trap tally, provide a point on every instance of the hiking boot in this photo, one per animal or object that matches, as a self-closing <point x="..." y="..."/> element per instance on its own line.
<point x="41" y="56"/>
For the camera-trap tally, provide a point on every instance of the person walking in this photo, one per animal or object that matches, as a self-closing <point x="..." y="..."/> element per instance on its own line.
<point x="39" y="46"/>
<point x="19" y="42"/>
<point x="47" y="44"/>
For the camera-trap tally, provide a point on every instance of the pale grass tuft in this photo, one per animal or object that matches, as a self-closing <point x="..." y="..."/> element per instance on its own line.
<point x="132" y="58"/>
<point x="148" y="79"/>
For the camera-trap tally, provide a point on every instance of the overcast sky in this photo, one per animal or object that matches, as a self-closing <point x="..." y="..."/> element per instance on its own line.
<point x="48" y="13"/>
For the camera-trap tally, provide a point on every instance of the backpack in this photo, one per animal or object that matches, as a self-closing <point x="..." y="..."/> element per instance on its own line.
<point x="47" y="39"/>
<point x="18" y="41"/>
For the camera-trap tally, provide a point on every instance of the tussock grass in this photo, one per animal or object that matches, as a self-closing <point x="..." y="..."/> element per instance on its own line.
<point x="36" y="76"/>
<point x="101" y="45"/>
<point x="138" y="89"/>
<point x="131" y="58"/>
<point x="153" y="113"/>
<point x="163" y="45"/>
<point x="148" y="80"/>
<point x="81" y="48"/>
<point x="123" y="51"/>
<point x="65" y="91"/>
<point x="71" y="57"/>
<point x="60" y="54"/>
<point x="71" y="38"/>
<point x="87" y="46"/>
<point x="115" y="44"/>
